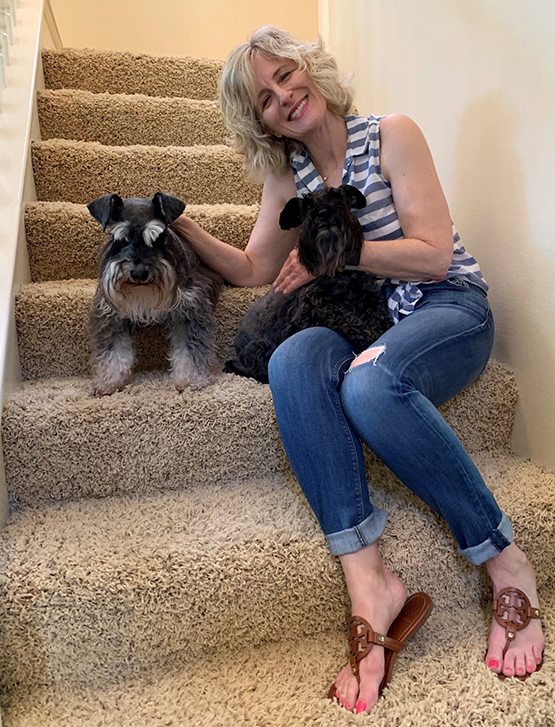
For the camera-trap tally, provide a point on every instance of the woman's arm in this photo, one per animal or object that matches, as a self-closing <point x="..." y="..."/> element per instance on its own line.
<point x="426" y="251"/>
<point x="268" y="246"/>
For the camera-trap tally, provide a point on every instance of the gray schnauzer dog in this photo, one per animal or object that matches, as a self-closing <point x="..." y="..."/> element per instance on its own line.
<point x="348" y="301"/>
<point x="148" y="274"/>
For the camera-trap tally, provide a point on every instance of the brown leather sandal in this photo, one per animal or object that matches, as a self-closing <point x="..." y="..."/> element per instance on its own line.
<point x="362" y="636"/>
<point x="513" y="611"/>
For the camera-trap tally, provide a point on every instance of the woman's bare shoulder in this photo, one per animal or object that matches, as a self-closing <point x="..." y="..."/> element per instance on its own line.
<point x="399" y="127"/>
<point x="280" y="186"/>
<point x="402" y="144"/>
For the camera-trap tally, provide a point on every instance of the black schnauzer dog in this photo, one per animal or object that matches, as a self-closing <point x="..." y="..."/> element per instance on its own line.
<point x="149" y="275"/>
<point x="350" y="302"/>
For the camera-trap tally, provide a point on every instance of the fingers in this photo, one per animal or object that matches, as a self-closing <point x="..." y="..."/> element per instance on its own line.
<point x="286" y="271"/>
<point x="292" y="275"/>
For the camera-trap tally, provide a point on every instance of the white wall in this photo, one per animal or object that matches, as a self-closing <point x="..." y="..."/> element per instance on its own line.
<point x="178" y="27"/>
<point x="478" y="76"/>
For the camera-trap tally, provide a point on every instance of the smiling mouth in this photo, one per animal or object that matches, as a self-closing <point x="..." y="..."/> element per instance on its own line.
<point x="298" y="109"/>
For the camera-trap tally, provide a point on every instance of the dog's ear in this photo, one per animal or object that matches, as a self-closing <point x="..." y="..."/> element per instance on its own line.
<point x="167" y="207"/>
<point x="292" y="214"/>
<point x="106" y="209"/>
<point x="355" y="198"/>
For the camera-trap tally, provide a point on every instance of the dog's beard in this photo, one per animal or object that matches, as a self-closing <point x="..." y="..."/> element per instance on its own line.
<point x="326" y="253"/>
<point x="140" y="302"/>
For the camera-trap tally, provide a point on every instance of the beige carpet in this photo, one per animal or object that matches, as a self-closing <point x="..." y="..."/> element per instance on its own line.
<point x="161" y="566"/>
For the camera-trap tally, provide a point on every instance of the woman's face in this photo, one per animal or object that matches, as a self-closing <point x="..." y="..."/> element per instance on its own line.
<point x="287" y="102"/>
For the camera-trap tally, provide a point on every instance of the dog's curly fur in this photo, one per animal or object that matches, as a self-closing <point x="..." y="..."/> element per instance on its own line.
<point x="148" y="274"/>
<point x="352" y="303"/>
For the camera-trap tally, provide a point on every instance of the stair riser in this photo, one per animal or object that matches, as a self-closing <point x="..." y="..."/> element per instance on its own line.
<point x="111" y="72"/>
<point x="118" y="120"/>
<point x="63" y="240"/>
<point x="61" y="445"/>
<point x="53" y="333"/>
<point x="145" y="440"/>
<point x="81" y="171"/>
<point x="151" y="617"/>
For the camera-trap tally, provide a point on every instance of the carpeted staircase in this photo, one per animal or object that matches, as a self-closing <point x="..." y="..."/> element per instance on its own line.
<point x="160" y="566"/>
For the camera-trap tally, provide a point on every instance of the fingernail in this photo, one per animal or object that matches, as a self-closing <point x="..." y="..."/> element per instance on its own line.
<point x="361" y="706"/>
<point x="493" y="664"/>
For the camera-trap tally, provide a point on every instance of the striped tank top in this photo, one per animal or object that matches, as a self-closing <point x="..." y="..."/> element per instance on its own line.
<point x="379" y="218"/>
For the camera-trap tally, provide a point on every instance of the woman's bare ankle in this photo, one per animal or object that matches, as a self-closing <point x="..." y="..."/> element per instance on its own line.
<point x="375" y="592"/>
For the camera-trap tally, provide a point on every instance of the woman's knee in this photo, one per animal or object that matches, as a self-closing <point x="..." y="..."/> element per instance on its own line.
<point x="369" y="385"/>
<point x="313" y="352"/>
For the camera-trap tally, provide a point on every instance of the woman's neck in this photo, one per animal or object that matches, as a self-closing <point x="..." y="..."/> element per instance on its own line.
<point x="327" y="146"/>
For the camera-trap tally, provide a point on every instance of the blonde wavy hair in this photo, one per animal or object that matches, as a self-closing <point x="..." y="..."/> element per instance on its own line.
<point x="265" y="153"/>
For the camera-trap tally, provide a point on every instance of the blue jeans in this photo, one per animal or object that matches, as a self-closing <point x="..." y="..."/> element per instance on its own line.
<point x="324" y="409"/>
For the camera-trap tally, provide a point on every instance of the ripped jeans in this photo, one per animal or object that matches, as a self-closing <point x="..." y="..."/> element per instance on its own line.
<point x="325" y="408"/>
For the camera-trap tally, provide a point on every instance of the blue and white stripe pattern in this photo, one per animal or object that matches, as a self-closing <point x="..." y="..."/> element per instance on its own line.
<point x="379" y="218"/>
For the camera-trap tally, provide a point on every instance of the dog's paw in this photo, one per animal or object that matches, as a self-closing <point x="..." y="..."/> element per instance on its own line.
<point x="196" y="384"/>
<point x="103" y="388"/>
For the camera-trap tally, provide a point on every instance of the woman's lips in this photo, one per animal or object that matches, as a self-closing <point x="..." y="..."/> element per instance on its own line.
<point x="298" y="109"/>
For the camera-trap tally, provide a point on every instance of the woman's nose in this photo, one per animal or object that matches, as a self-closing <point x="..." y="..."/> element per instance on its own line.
<point x="283" y="95"/>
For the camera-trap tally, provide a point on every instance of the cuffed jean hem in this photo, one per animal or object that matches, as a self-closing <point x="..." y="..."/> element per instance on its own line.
<point x="497" y="541"/>
<point x="358" y="537"/>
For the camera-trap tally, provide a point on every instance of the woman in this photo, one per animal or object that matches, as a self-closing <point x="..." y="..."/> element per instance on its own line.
<point x="289" y="112"/>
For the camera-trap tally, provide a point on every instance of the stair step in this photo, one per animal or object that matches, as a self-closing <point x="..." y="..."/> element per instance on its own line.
<point x="438" y="681"/>
<point x="121" y="120"/>
<point x="140" y="585"/>
<point x="63" y="239"/>
<point x="79" y="171"/>
<point x="101" y="71"/>
<point x="60" y="443"/>
<point x="53" y="339"/>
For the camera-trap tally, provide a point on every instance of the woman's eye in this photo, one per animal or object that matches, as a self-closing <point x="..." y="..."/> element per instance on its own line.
<point x="265" y="102"/>
<point x="284" y="75"/>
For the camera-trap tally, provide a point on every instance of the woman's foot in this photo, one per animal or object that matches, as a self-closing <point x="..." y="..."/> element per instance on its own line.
<point x="512" y="568"/>
<point x="378" y="596"/>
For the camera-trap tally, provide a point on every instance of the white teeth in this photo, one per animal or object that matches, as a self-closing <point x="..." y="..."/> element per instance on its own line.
<point x="298" y="110"/>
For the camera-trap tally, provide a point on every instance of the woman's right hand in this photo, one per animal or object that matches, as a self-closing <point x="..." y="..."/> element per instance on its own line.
<point x="292" y="275"/>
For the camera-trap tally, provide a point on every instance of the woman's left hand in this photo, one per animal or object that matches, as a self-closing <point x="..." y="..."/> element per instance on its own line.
<point x="292" y="275"/>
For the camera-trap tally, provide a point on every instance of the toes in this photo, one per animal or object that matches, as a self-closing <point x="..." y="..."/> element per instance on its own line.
<point x="538" y="654"/>
<point x="530" y="663"/>
<point x="349" y="698"/>
<point x="520" y="664"/>
<point x="369" y="691"/>
<point x="366" y="701"/>
<point x="509" y="664"/>
<point x="494" y="660"/>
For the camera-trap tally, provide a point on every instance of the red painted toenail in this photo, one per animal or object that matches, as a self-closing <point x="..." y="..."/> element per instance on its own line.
<point x="493" y="664"/>
<point x="361" y="706"/>
<point x="508" y="670"/>
<point x="347" y="706"/>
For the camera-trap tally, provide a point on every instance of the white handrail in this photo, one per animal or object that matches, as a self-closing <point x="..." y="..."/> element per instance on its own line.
<point x="18" y="125"/>
<point x="8" y="21"/>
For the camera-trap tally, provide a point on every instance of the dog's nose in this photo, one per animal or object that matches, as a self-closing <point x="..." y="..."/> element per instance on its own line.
<point x="139" y="274"/>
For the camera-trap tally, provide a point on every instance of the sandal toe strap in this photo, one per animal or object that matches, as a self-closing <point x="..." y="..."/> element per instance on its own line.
<point x="362" y="639"/>
<point x="512" y="610"/>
